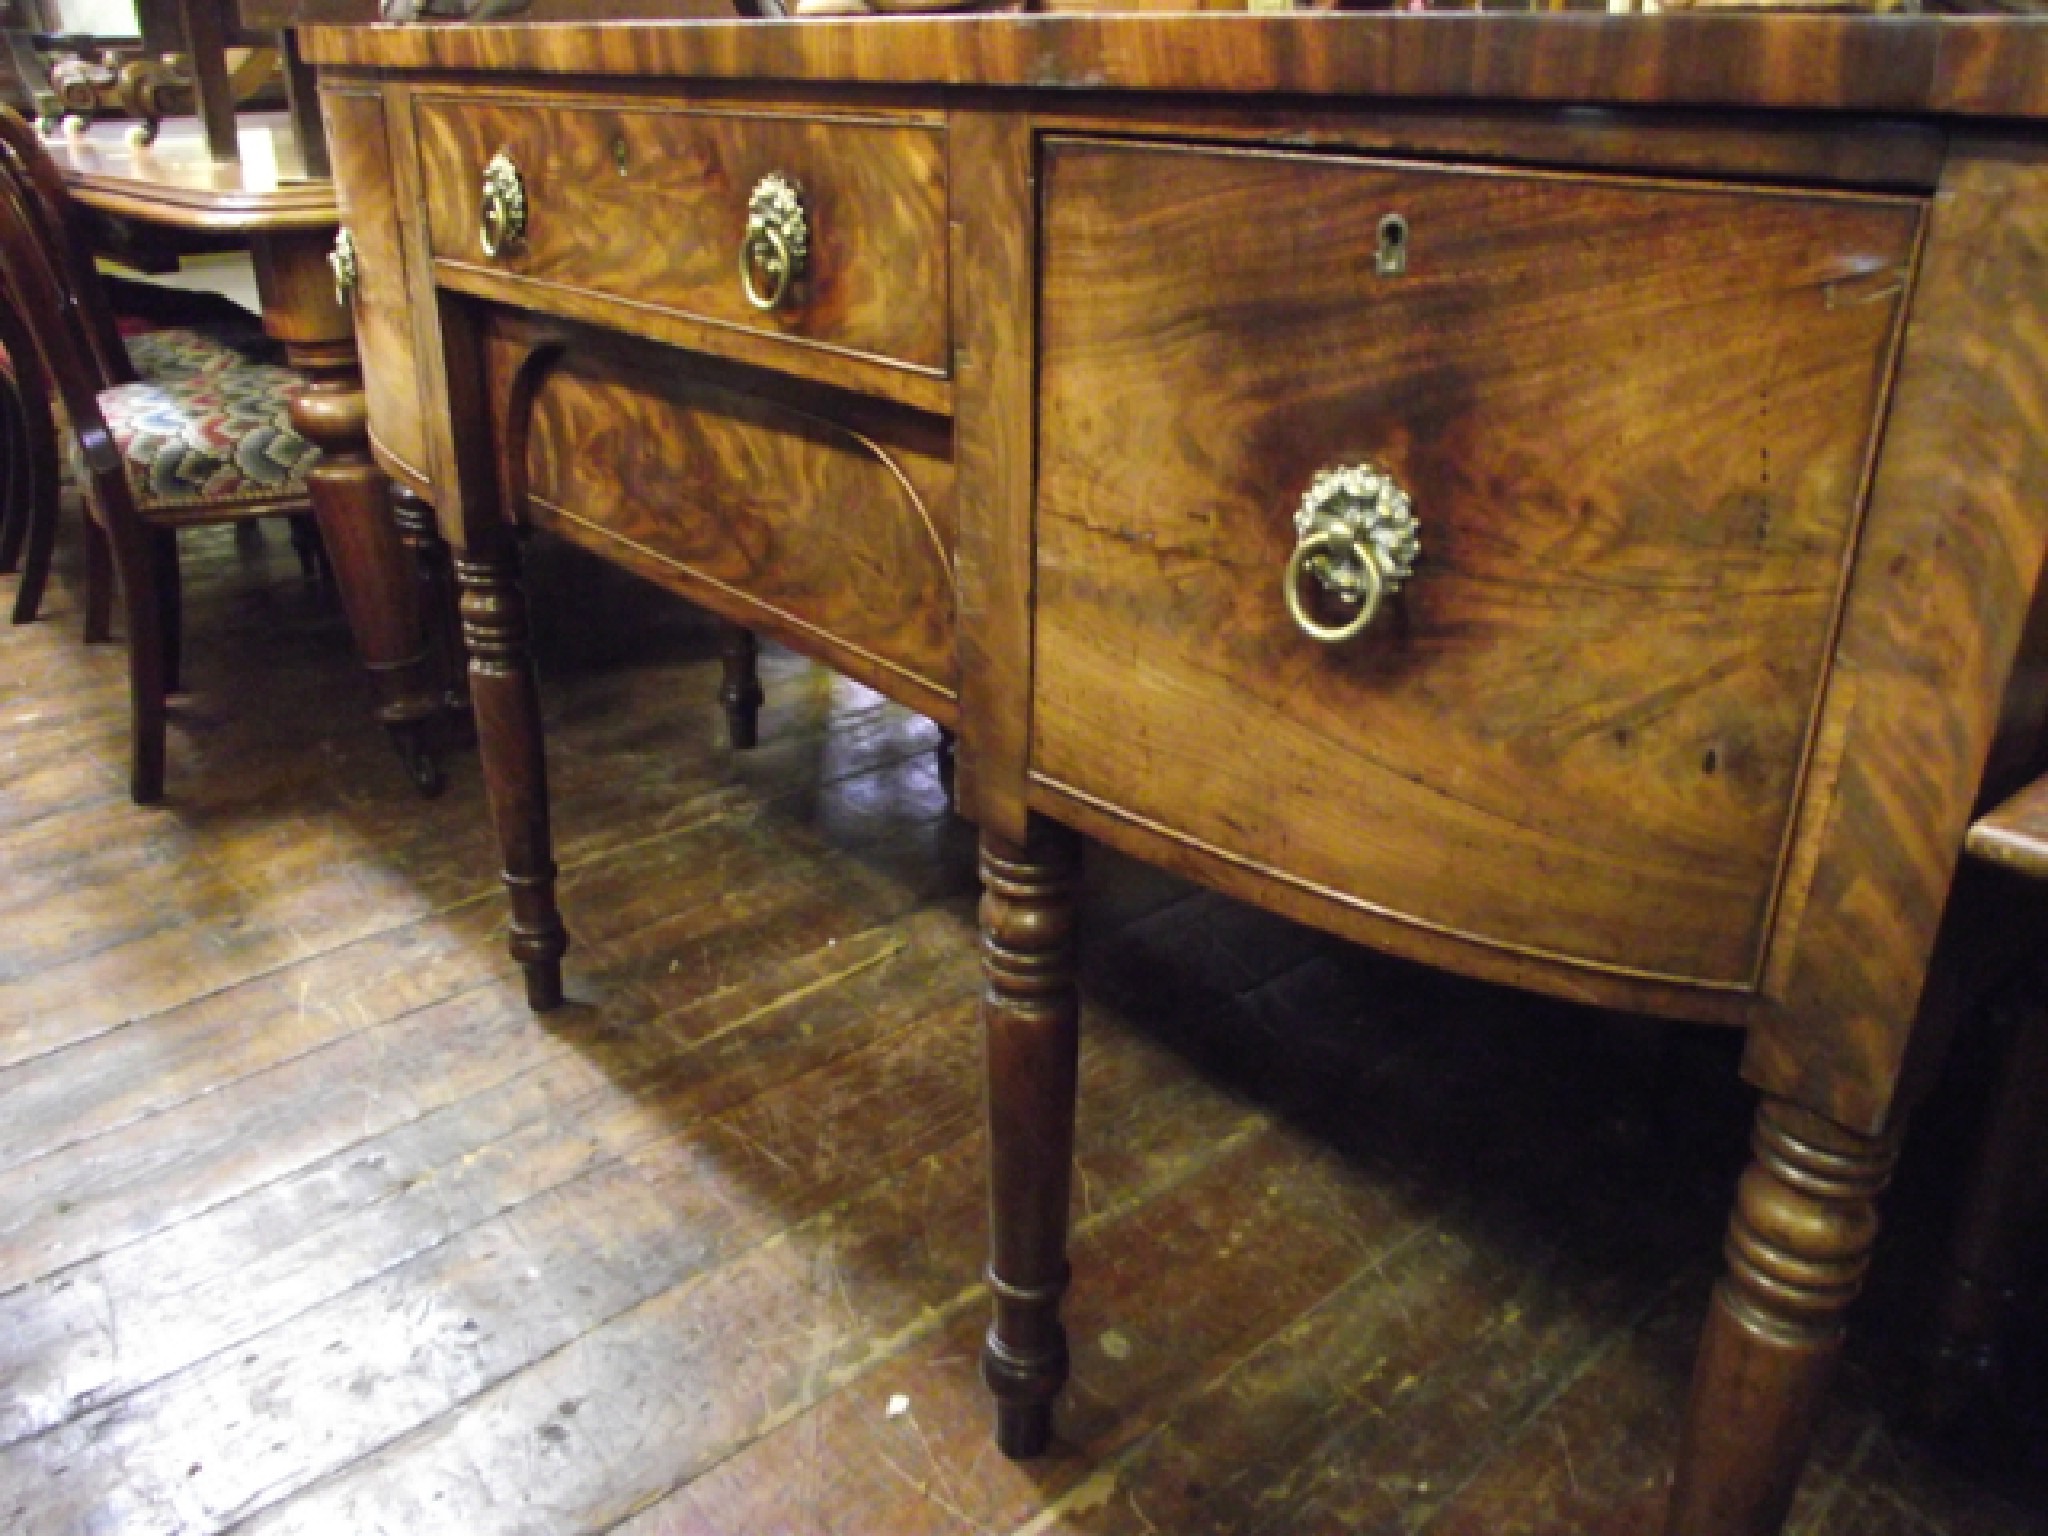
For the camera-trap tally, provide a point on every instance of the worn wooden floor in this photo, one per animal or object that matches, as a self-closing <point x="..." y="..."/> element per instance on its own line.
<point x="307" y="1226"/>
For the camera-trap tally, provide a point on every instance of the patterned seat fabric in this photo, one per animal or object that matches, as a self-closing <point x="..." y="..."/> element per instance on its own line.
<point x="179" y="352"/>
<point x="211" y="439"/>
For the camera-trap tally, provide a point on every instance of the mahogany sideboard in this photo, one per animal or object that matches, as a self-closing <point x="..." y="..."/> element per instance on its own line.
<point x="1561" y="498"/>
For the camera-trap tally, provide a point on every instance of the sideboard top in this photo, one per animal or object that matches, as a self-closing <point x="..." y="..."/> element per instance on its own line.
<point x="1962" y="66"/>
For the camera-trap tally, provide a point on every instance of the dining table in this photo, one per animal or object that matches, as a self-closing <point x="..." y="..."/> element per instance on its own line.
<point x="386" y="558"/>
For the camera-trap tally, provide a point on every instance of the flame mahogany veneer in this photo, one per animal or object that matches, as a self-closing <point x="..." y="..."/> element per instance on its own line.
<point x="1716" y="366"/>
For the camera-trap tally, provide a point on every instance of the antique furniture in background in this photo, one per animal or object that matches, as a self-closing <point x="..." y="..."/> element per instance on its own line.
<point x="1559" y="498"/>
<point x="288" y="220"/>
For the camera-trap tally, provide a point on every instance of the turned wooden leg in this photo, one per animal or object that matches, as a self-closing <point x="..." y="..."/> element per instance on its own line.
<point x="351" y="500"/>
<point x="435" y="579"/>
<point x="740" y="692"/>
<point x="1030" y="1013"/>
<point x="1798" y="1245"/>
<point x="506" y="699"/>
<point x="2005" y="1199"/>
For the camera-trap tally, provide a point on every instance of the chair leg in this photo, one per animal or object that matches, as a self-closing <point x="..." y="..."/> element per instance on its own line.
<point x="99" y="582"/>
<point x="306" y="545"/>
<point x="14" y="490"/>
<point x="170" y="590"/>
<point x="136" y="559"/>
<point x="42" y="494"/>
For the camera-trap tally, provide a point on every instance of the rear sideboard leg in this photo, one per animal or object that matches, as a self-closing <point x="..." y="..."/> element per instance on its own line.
<point x="506" y="698"/>
<point x="1798" y="1245"/>
<point x="2002" y="1205"/>
<point x="421" y="534"/>
<point x="1030" y="1014"/>
<point x="740" y="690"/>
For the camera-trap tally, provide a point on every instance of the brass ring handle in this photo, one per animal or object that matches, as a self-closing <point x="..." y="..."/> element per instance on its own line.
<point x="502" y="220"/>
<point x="1356" y="535"/>
<point x="777" y="242"/>
<point x="341" y="261"/>
<point x="1334" y="544"/>
<point x="769" y="251"/>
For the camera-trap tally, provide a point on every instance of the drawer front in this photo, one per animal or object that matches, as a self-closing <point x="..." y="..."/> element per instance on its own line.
<point x="361" y="148"/>
<point x="1634" y="420"/>
<point x="835" y="536"/>
<point x="663" y="235"/>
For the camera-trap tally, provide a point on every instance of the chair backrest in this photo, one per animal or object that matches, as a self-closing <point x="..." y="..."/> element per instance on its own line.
<point x="50" y="206"/>
<point x="42" y="300"/>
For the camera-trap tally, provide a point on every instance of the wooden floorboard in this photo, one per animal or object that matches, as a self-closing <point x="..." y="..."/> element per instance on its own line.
<point x="308" y="1226"/>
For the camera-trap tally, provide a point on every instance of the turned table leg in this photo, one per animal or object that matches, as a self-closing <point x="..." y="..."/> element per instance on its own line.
<point x="1798" y="1245"/>
<point x="506" y="699"/>
<point x="740" y="691"/>
<point x="1030" y="1013"/>
<point x="350" y="496"/>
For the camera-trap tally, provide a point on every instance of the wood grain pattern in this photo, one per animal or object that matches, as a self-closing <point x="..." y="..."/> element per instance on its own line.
<point x="1863" y="152"/>
<point x="836" y="539"/>
<point x="1637" y="472"/>
<point x="1992" y="70"/>
<point x="993" y="176"/>
<point x="874" y="195"/>
<point x="368" y="197"/>
<point x="1902" y="64"/>
<point x="1931" y="627"/>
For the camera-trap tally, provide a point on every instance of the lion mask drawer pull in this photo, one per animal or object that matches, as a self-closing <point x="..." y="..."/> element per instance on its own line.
<point x="1357" y="538"/>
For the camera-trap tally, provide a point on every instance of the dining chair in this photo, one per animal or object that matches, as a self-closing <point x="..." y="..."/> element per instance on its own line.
<point x="151" y="456"/>
<point x="156" y="334"/>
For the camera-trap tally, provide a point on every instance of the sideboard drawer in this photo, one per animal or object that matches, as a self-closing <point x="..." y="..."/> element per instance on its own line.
<point x="634" y="210"/>
<point x="824" y="522"/>
<point x="1635" y="420"/>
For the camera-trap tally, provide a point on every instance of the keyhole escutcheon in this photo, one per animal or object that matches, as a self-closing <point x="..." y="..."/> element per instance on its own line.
<point x="1392" y="257"/>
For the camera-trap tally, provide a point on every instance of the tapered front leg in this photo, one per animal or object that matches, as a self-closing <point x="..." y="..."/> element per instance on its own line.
<point x="740" y="689"/>
<point x="506" y="699"/>
<point x="1798" y="1245"/>
<point x="1030" y="1014"/>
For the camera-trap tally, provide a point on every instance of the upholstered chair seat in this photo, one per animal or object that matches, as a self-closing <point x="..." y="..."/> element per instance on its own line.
<point x="213" y="439"/>
<point x="179" y="351"/>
